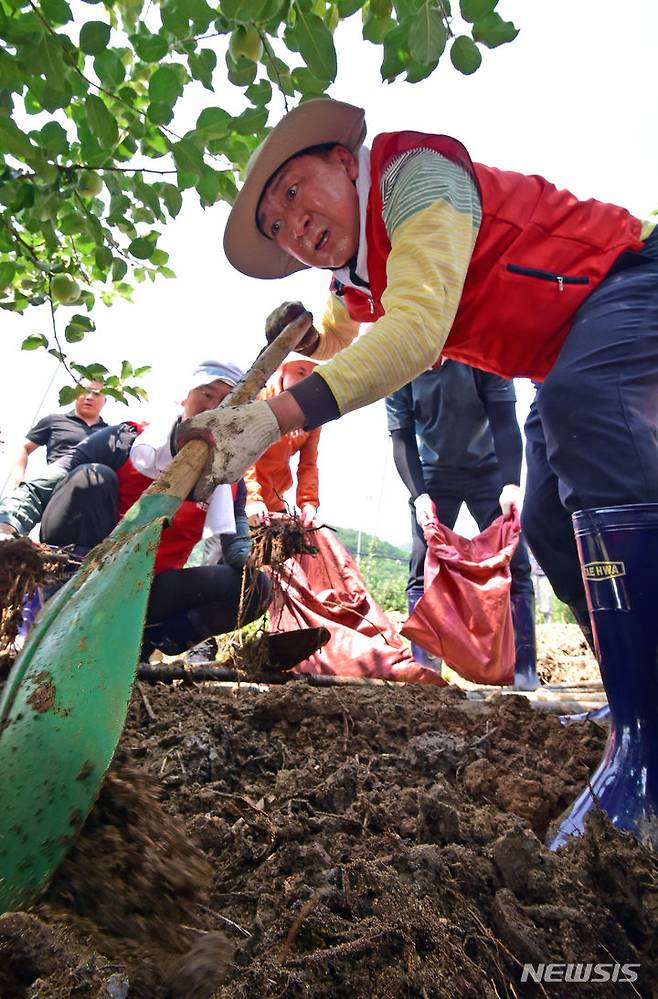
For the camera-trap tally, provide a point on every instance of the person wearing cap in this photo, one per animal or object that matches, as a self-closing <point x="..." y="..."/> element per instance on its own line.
<point x="448" y="257"/>
<point x="94" y="485"/>
<point x="271" y="477"/>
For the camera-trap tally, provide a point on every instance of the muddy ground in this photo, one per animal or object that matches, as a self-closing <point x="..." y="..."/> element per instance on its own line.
<point x="356" y="843"/>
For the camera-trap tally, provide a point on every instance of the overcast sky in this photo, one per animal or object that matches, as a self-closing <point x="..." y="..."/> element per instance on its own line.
<point x="573" y="98"/>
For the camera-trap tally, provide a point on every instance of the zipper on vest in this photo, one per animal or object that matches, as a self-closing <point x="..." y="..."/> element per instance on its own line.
<point x="371" y="305"/>
<point x="535" y="272"/>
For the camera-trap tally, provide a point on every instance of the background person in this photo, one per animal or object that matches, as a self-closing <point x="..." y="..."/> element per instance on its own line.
<point x="271" y="477"/>
<point x="105" y="474"/>
<point x="456" y="440"/>
<point x="60" y="432"/>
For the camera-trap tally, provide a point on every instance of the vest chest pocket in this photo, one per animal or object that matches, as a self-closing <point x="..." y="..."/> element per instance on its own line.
<point x="535" y="272"/>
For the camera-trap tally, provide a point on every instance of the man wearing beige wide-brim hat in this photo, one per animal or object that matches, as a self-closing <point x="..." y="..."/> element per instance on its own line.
<point x="446" y="257"/>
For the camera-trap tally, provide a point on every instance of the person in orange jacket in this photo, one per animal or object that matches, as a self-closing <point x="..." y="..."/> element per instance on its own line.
<point x="270" y="478"/>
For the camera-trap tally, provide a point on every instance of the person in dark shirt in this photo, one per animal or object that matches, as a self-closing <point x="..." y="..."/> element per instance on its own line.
<point x="456" y="440"/>
<point x="60" y="432"/>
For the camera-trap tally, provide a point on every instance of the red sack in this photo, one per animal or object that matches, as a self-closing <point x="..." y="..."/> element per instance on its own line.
<point x="465" y="614"/>
<point x="328" y="589"/>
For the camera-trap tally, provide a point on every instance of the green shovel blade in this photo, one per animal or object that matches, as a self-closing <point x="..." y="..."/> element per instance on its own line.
<point x="65" y="705"/>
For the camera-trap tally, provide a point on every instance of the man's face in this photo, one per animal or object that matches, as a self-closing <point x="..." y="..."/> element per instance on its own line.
<point x="310" y="208"/>
<point x="88" y="405"/>
<point x="294" y="372"/>
<point x="204" y="397"/>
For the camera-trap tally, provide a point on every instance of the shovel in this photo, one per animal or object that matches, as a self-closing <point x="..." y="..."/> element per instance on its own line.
<point x="65" y="702"/>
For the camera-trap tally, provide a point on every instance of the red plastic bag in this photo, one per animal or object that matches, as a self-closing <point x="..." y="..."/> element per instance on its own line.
<point x="465" y="615"/>
<point x="328" y="589"/>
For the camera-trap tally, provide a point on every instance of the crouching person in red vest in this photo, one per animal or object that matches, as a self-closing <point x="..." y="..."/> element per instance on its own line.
<point x="108" y="472"/>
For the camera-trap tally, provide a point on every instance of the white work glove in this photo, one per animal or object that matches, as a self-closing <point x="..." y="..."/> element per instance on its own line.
<point x="425" y="511"/>
<point x="309" y="515"/>
<point x="511" y="497"/>
<point x="257" y="513"/>
<point x="237" y="435"/>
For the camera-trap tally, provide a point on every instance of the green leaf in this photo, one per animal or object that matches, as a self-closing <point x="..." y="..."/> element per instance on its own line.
<point x="375" y="28"/>
<point x="53" y="138"/>
<point x="119" y="269"/>
<point x="202" y="67"/>
<point x="316" y="45"/>
<point x="34" y="341"/>
<point x="259" y="93"/>
<point x="187" y="158"/>
<point x="7" y="272"/>
<point x="348" y="7"/>
<point x="13" y="141"/>
<point x="174" y="20"/>
<point x="149" y="47"/>
<point x="172" y="199"/>
<point x="473" y="10"/>
<point x="67" y="395"/>
<point x="165" y="86"/>
<point x="307" y="84"/>
<point x="208" y="187"/>
<point x="198" y="11"/>
<point x="427" y="35"/>
<point x="142" y="247"/>
<point x="101" y="122"/>
<point x="103" y="258"/>
<point x="213" y="122"/>
<point x="492" y="31"/>
<point x="396" y="52"/>
<point x="406" y="8"/>
<point x="465" y="55"/>
<point x="109" y="69"/>
<point x="53" y="66"/>
<point x="159" y="114"/>
<point x="56" y="11"/>
<point x="94" y="37"/>
<point x="250" y="122"/>
<point x="126" y="370"/>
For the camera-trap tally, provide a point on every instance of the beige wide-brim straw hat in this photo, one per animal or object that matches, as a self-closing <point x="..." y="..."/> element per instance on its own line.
<point x="313" y="123"/>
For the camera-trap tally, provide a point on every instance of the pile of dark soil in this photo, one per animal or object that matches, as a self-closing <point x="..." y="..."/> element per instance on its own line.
<point x="363" y="843"/>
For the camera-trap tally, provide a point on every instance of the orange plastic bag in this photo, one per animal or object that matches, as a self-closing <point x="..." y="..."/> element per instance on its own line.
<point x="465" y="615"/>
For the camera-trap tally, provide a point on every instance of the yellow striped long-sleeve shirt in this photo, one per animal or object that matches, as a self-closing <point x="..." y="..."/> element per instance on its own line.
<point x="432" y="214"/>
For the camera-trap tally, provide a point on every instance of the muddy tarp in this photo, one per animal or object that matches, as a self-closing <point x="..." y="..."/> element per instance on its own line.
<point x="464" y="615"/>
<point x="328" y="589"/>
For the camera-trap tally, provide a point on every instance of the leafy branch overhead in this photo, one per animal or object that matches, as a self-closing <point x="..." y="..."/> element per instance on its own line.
<point x="93" y="158"/>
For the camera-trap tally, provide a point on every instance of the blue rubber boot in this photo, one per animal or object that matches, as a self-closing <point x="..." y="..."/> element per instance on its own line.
<point x="421" y="655"/>
<point x="618" y="548"/>
<point x="523" y="617"/>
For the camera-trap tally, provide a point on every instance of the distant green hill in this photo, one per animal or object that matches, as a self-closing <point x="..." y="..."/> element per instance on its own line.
<point x="384" y="567"/>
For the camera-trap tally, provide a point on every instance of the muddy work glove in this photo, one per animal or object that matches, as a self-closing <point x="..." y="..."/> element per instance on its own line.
<point x="279" y="319"/>
<point x="237" y="435"/>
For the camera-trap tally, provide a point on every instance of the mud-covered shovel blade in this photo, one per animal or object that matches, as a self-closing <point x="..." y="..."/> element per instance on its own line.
<point x="64" y="709"/>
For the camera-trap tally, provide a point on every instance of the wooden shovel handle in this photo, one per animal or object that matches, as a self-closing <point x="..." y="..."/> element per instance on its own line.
<point x="180" y="477"/>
